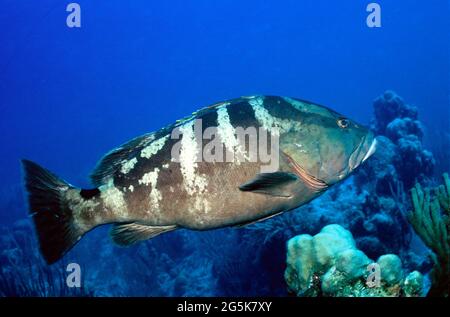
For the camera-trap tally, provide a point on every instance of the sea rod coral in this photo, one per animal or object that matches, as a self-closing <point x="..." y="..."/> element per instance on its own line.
<point x="430" y="219"/>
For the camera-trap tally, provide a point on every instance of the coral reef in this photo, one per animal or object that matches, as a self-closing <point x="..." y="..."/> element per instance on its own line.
<point x="400" y="160"/>
<point x="389" y="107"/>
<point x="156" y="268"/>
<point x="399" y="122"/>
<point x="329" y="264"/>
<point x="24" y="273"/>
<point x="430" y="219"/>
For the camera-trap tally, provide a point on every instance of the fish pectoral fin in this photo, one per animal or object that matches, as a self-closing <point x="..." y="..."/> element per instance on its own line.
<point x="130" y="233"/>
<point x="274" y="184"/>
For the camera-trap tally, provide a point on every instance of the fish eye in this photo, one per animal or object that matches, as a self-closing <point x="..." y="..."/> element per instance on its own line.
<point x="343" y="123"/>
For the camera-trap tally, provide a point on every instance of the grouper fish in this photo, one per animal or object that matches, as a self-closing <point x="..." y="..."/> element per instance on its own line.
<point x="166" y="180"/>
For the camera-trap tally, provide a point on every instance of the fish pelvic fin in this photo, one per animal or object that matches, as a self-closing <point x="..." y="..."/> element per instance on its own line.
<point x="126" y="234"/>
<point x="53" y="218"/>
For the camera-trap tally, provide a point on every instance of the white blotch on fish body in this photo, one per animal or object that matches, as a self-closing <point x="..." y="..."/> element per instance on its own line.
<point x="166" y="165"/>
<point x="147" y="138"/>
<point x="131" y="188"/>
<point x="151" y="178"/>
<point x="80" y="207"/>
<point x="154" y="147"/>
<point x="270" y="123"/>
<point x="113" y="199"/>
<point x="227" y="134"/>
<point x="193" y="182"/>
<point x="128" y="165"/>
<point x="77" y="203"/>
<point x="202" y="204"/>
<point x="300" y="146"/>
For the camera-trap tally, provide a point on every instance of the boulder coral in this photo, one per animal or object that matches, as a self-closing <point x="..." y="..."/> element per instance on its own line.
<point x="329" y="264"/>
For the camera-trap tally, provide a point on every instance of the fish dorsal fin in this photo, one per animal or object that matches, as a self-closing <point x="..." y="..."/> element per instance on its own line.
<point x="112" y="161"/>
<point x="202" y="111"/>
<point x="270" y="184"/>
<point x="130" y="233"/>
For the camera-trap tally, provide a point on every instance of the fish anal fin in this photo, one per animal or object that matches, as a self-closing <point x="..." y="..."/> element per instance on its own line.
<point x="274" y="184"/>
<point x="130" y="233"/>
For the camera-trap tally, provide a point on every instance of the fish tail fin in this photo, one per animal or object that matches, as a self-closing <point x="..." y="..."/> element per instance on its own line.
<point x="52" y="216"/>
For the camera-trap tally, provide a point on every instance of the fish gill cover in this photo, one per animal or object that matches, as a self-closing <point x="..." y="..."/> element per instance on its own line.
<point x="78" y="80"/>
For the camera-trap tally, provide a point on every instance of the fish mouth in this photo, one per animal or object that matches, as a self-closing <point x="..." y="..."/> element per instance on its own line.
<point x="365" y="149"/>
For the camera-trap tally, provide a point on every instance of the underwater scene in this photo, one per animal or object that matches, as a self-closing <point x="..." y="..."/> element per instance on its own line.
<point x="199" y="148"/>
